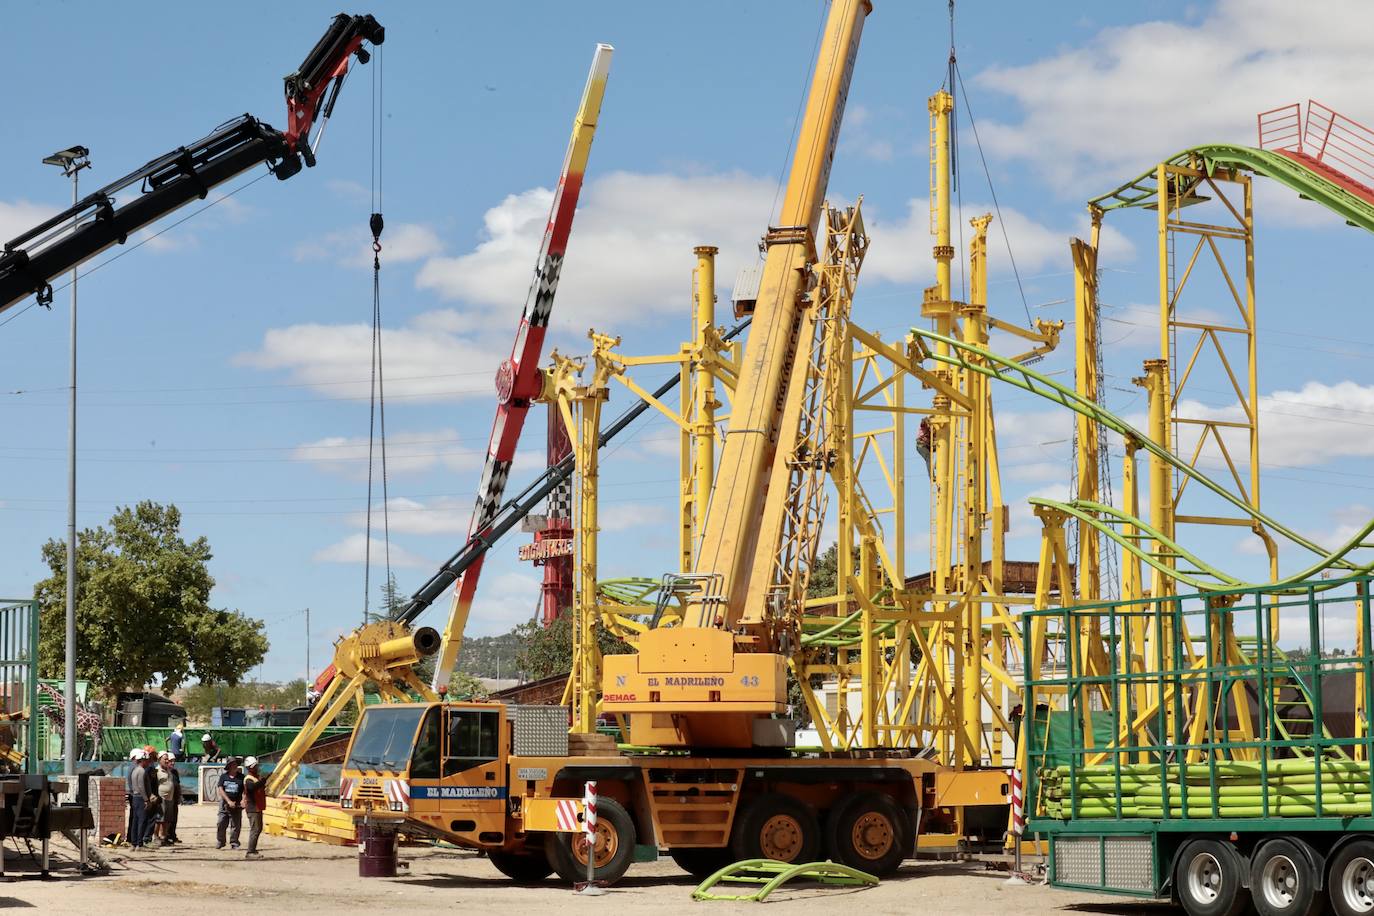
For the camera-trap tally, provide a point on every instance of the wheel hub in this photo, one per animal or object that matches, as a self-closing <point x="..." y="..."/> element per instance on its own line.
<point x="1204" y="878"/>
<point x="872" y="835"/>
<point x="1357" y="885"/>
<point x="781" y="838"/>
<point x="606" y="845"/>
<point x="1279" y="882"/>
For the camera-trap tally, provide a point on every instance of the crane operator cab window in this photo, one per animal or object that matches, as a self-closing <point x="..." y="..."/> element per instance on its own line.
<point x="473" y="739"/>
<point x="425" y="762"/>
<point x="384" y="738"/>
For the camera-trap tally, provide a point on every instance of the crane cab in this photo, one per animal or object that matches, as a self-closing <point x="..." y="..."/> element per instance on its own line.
<point x="440" y="766"/>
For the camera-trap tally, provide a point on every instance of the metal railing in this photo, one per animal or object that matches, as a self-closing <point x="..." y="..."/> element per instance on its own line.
<point x="1342" y="144"/>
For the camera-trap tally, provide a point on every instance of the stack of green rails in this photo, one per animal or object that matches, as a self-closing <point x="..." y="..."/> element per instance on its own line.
<point x="1294" y="788"/>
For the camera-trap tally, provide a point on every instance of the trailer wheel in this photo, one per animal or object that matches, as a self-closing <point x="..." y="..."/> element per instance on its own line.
<point x="1350" y="883"/>
<point x="776" y="826"/>
<point x="868" y="832"/>
<point x="1207" y="879"/>
<point x="701" y="861"/>
<point x="1283" y="881"/>
<point x="615" y="846"/>
<point x="522" y="867"/>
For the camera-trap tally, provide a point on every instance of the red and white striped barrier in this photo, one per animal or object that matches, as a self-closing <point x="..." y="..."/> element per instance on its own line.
<point x="589" y="804"/>
<point x="1018" y="808"/>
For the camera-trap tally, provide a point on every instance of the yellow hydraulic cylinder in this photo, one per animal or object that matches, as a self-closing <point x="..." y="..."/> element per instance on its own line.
<point x="704" y="383"/>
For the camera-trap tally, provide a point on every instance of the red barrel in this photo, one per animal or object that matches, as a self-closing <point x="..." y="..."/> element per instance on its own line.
<point x="376" y="851"/>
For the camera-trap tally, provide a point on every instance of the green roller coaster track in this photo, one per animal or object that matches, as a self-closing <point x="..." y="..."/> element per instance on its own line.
<point x="1286" y="170"/>
<point x="1105" y="518"/>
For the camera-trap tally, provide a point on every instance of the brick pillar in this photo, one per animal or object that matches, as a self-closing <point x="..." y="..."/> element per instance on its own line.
<point x="108" y="805"/>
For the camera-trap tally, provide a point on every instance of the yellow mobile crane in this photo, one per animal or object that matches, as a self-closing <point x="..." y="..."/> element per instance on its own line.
<point x="723" y="787"/>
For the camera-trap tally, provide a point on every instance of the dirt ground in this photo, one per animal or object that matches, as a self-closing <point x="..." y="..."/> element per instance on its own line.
<point x="297" y="877"/>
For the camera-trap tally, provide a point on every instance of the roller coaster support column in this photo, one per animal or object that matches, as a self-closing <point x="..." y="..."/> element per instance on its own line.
<point x="580" y="407"/>
<point x="974" y="480"/>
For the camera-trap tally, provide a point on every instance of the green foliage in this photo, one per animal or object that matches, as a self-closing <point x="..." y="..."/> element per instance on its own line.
<point x="824" y="574"/>
<point x="143" y="609"/>
<point x="463" y="686"/>
<point x="491" y="656"/>
<point x="201" y="698"/>
<point x="546" y="651"/>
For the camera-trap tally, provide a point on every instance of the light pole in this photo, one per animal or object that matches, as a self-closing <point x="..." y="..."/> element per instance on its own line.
<point x="71" y="161"/>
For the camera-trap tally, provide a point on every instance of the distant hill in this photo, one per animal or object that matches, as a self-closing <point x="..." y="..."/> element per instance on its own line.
<point x="483" y="655"/>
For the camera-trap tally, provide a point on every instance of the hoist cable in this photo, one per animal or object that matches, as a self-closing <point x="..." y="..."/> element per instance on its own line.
<point x="376" y="428"/>
<point x="1002" y="223"/>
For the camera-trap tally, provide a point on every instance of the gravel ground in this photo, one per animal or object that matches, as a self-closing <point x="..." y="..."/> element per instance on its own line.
<point x="297" y="877"/>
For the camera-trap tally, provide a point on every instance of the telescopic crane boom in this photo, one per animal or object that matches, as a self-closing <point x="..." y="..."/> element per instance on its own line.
<point x="30" y="261"/>
<point x="708" y="682"/>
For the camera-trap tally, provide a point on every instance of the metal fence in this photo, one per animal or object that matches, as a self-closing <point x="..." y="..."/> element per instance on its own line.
<point x="1187" y="706"/>
<point x="19" y="676"/>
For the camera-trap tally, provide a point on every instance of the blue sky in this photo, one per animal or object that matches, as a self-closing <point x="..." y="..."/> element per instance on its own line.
<point x="224" y="364"/>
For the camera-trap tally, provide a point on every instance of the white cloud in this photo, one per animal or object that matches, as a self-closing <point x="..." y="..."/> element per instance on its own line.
<point x="1104" y="111"/>
<point x="1313" y="425"/>
<point x="504" y="599"/>
<point x="406" y="453"/>
<point x="441" y="364"/>
<point x="352" y="549"/>
<point x="401" y="244"/>
<point x="630" y="253"/>
<point x="899" y="251"/>
<point x="442" y="515"/>
<point x="21" y="216"/>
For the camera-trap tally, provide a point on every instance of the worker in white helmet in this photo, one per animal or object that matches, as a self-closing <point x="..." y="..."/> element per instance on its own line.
<point x="255" y="803"/>
<point x="209" y="749"/>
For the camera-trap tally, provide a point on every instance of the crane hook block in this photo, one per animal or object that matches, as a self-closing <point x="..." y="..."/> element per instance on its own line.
<point x="376" y="224"/>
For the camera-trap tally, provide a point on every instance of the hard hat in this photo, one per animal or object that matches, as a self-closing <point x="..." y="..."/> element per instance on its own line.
<point x="249" y="762"/>
<point x="138" y="753"/>
<point x="206" y="737"/>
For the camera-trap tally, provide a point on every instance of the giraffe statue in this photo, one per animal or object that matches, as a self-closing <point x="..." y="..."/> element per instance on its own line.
<point x="89" y="727"/>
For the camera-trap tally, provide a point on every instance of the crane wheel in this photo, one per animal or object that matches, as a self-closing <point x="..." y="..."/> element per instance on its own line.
<point x="615" y="846"/>
<point x="701" y="862"/>
<point x="869" y="832"/>
<point x="776" y="826"/>
<point x="522" y="867"/>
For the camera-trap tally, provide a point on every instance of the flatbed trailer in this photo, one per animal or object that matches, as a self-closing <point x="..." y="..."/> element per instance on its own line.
<point x="1212" y="777"/>
<point x="499" y="779"/>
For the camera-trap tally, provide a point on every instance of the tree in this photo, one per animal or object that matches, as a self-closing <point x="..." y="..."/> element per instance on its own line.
<point x="202" y="698"/>
<point x="546" y="651"/>
<point x="143" y="610"/>
<point x="392" y="599"/>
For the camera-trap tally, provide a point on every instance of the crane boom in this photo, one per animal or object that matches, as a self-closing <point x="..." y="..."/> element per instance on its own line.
<point x="518" y="379"/>
<point x="31" y="260"/>
<point x="731" y="529"/>
<point x="713" y="681"/>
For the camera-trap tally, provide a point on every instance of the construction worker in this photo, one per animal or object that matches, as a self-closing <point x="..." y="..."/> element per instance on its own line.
<point x="230" y="793"/>
<point x="169" y="789"/>
<point x="176" y="742"/>
<point x="142" y="791"/>
<point x="209" y="749"/>
<point x="923" y="442"/>
<point x="255" y="801"/>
